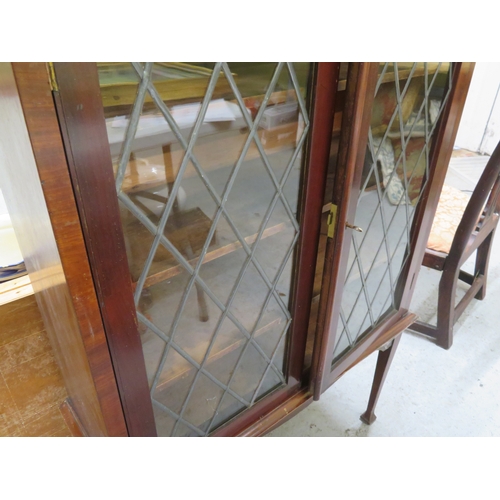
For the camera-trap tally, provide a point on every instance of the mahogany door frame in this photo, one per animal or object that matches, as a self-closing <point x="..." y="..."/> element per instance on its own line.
<point x="82" y="122"/>
<point x="357" y="115"/>
<point x="361" y="80"/>
<point x="317" y="154"/>
<point x="83" y="128"/>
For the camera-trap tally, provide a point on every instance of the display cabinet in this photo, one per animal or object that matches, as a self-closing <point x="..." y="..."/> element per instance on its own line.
<point x="252" y="230"/>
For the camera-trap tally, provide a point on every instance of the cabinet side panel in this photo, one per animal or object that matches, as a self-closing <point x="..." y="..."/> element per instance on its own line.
<point x="43" y="128"/>
<point x="31" y="221"/>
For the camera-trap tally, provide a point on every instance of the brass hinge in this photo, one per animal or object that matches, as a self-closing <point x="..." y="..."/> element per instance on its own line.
<point x="52" y="77"/>
<point x="332" y="221"/>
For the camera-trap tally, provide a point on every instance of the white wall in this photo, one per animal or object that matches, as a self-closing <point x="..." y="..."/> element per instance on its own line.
<point x="480" y="125"/>
<point x="3" y="206"/>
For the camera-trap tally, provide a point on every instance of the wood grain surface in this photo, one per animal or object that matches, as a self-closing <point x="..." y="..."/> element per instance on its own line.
<point x="82" y="123"/>
<point x="52" y="244"/>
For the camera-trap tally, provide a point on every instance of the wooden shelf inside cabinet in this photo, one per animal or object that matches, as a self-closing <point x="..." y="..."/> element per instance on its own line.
<point x="15" y="289"/>
<point x="174" y="81"/>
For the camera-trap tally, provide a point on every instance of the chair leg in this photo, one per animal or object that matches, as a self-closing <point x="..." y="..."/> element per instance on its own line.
<point x="446" y="308"/>
<point x="442" y="333"/>
<point x="384" y="361"/>
<point x="482" y="262"/>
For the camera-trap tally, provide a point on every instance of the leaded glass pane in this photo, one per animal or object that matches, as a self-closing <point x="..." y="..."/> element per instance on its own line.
<point x="409" y="100"/>
<point x="207" y="160"/>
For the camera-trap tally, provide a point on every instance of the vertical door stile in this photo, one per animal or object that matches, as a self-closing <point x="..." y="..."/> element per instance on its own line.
<point x="318" y="152"/>
<point x="361" y="81"/>
<point x="82" y="125"/>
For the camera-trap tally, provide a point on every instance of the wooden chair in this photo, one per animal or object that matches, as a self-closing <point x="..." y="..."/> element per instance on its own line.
<point x="475" y="229"/>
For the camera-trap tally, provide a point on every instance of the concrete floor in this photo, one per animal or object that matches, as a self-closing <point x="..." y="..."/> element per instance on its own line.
<point x="429" y="391"/>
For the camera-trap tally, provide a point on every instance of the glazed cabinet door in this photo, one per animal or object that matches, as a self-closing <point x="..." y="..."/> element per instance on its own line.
<point x="192" y="182"/>
<point x="397" y="121"/>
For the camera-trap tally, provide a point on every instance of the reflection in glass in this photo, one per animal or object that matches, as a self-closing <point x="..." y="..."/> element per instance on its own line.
<point x="207" y="160"/>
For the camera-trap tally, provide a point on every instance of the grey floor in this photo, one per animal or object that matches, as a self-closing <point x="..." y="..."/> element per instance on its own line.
<point x="429" y="391"/>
